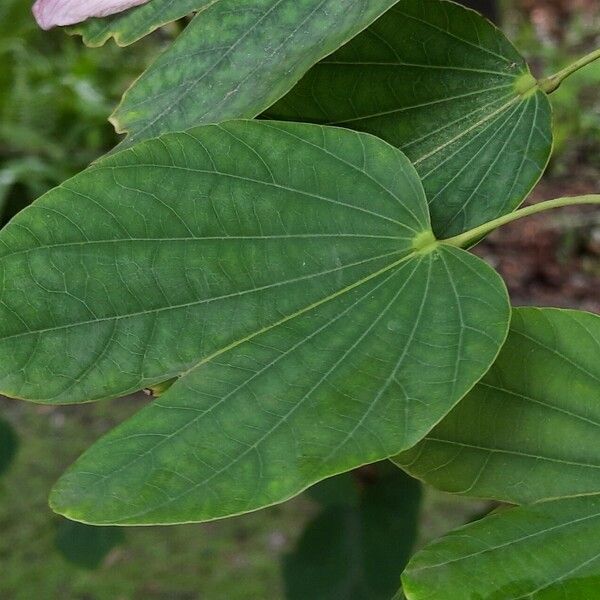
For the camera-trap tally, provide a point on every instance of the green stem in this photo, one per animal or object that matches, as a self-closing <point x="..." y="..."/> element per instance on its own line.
<point x="550" y="84"/>
<point x="467" y="238"/>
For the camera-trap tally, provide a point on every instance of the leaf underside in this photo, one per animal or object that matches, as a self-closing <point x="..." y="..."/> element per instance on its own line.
<point x="235" y="59"/>
<point x="443" y="84"/>
<point x="529" y="430"/>
<point x="546" y="551"/>
<point x="271" y="268"/>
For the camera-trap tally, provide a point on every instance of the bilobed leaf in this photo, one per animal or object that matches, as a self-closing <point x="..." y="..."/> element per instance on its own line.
<point x="530" y="429"/>
<point x="357" y="552"/>
<point x="546" y="551"/>
<point x="444" y="85"/>
<point x="133" y="25"/>
<point x="189" y="243"/>
<point x="8" y="445"/>
<point x="285" y="273"/>
<point x="235" y="59"/>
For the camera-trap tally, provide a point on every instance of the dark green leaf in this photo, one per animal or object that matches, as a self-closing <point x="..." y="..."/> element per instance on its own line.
<point x="547" y="551"/>
<point x="337" y="491"/>
<point x="235" y="59"/>
<point x="84" y="545"/>
<point x="530" y="429"/>
<point x="445" y="86"/>
<point x="357" y="553"/>
<point x="286" y="273"/>
<point x="8" y="445"/>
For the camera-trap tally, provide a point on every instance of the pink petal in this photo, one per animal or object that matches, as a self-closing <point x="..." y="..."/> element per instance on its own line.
<point x="50" y="13"/>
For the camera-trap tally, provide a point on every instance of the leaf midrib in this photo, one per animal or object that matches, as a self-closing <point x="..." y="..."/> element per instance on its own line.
<point x="393" y="373"/>
<point x="508" y="543"/>
<point x="255" y="375"/>
<point x="522" y="396"/>
<point x="393" y="111"/>
<point x="533" y="593"/>
<point x="216" y="238"/>
<point x="236" y="294"/>
<point x="492" y="138"/>
<point x="463" y="117"/>
<point x="527" y="455"/>
<point x="247" y="179"/>
<point x="396" y="63"/>
<point x="189" y="86"/>
<point x="492" y="117"/>
<point x="281" y="420"/>
<point x="557" y="353"/>
<point x="452" y="35"/>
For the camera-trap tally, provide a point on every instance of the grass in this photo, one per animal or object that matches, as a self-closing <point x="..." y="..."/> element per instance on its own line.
<point x="229" y="560"/>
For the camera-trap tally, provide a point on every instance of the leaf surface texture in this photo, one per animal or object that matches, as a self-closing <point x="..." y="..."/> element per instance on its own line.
<point x="445" y="86"/>
<point x="529" y="430"/>
<point x="235" y="59"/>
<point x="285" y="274"/>
<point x="547" y="551"/>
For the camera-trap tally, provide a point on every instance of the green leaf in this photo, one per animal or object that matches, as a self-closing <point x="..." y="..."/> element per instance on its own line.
<point x="547" y="551"/>
<point x="235" y="59"/>
<point x="8" y="445"/>
<point x="84" y="545"/>
<point x="286" y="273"/>
<point x="444" y="85"/>
<point x="357" y="552"/>
<point x="530" y="428"/>
<point x="132" y="25"/>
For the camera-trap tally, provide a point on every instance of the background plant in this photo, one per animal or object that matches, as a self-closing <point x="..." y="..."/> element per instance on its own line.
<point x="422" y="243"/>
<point x="53" y="106"/>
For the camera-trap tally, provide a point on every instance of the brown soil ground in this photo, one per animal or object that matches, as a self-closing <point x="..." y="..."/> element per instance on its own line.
<point x="551" y="259"/>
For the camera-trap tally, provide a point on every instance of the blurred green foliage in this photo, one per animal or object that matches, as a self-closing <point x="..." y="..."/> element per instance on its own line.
<point x="232" y="559"/>
<point x="85" y="545"/>
<point x="55" y="98"/>
<point x="8" y="445"/>
<point x="576" y="104"/>
<point x="360" y="540"/>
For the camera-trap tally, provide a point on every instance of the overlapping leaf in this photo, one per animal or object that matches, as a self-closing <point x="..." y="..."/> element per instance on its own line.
<point x="444" y="85"/>
<point x="133" y="25"/>
<point x="235" y="59"/>
<point x="174" y="250"/>
<point x="530" y="429"/>
<point x="547" y="551"/>
<point x="285" y="273"/>
<point x="356" y="550"/>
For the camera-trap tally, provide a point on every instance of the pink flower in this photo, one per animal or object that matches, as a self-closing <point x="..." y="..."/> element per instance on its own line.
<point x="50" y="13"/>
